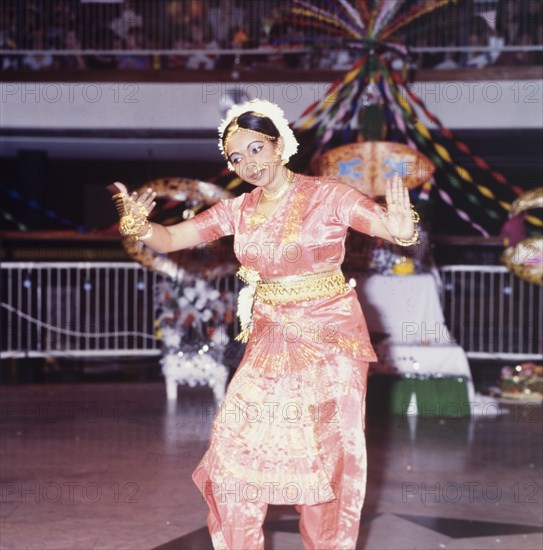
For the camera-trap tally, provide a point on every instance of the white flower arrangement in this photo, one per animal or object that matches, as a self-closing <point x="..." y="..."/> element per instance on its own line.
<point x="194" y="369"/>
<point x="192" y="313"/>
<point x="192" y="323"/>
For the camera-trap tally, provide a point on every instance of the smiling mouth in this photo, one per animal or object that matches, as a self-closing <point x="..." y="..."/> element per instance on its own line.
<point x="256" y="175"/>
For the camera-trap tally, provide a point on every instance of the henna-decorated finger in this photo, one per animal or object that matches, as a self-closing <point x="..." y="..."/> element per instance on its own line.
<point x="392" y="188"/>
<point x="116" y="187"/>
<point x="406" y="200"/>
<point x="388" y="192"/>
<point x="397" y="189"/>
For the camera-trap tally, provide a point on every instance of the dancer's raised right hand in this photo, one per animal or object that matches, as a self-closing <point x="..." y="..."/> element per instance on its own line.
<point x="146" y="199"/>
<point x="133" y="212"/>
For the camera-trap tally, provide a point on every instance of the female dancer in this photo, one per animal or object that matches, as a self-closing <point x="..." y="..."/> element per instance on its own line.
<point x="291" y="427"/>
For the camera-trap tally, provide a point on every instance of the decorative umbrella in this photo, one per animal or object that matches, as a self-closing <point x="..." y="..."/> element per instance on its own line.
<point x="525" y="258"/>
<point x="375" y="90"/>
<point x="368" y="165"/>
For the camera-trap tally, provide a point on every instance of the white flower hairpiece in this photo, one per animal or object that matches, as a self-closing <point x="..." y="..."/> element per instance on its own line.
<point x="270" y="110"/>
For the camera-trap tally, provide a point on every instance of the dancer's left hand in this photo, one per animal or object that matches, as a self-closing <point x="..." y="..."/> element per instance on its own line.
<point x="398" y="218"/>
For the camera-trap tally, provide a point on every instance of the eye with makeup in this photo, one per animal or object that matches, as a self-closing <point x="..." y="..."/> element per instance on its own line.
<point x="253" y="149"/>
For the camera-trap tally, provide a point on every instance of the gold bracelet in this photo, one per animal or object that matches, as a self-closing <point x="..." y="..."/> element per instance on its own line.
<point x="133" y="216"/>
<point x="131" y="225"/>
<point x="408" y="242"/>
<point x="147" y="235"/>
<point x="128" y="225"/>
<point x="415" y="238"/>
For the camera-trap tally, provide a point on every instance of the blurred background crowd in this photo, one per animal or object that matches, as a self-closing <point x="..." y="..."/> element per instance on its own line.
<point x="205" y="35"/>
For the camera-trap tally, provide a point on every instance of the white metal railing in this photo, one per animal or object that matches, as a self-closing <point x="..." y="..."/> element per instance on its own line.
<point x="164" y="29"/>
<point x="77" y="308"/>
<point x="108" y="308"/>
<point x="492" y="313"/>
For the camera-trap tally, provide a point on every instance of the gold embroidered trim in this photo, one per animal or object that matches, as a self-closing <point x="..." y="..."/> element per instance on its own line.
<point x="293" y="222"/>
<point x="354" y="345"/>
<point x="297" y="357"/>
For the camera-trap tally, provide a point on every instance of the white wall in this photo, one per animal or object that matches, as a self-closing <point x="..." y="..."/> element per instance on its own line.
<point x="498" y="104"/>
<point x="166" y="106"/>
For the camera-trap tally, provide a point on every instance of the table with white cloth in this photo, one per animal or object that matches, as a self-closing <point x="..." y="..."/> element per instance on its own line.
<point x="404" y="315"/>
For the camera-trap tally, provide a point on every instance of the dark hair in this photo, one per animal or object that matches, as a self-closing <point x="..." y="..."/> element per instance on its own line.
<point x="251" y="121"/>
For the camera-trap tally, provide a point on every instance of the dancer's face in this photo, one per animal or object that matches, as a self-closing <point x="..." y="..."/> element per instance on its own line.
<point x="254" y="158"/>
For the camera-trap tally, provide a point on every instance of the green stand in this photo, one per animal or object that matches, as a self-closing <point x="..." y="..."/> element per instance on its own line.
<point x="444" y="397"/>
<point x="436" y="397"/>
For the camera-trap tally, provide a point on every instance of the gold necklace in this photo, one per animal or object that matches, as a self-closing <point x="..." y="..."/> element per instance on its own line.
<point x="278" y="193"/>
<point x="257" y="218"/>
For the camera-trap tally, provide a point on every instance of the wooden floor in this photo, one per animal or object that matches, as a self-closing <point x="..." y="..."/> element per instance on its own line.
<point x="108" y="466"/>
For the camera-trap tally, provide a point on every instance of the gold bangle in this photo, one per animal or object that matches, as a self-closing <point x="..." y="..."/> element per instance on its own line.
<point x="128" y="225"/>
<point x="131" y="225"/>
<point x="133" y="216"/>
<point x="147" y="235"/>
<point x="415" y="238"/>
<point x="408" y="242"/>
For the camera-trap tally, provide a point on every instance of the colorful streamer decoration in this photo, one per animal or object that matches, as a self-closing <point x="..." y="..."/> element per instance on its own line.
<point x="367" y="27"/>
<point x="51" y="214"/>
<point x="10" y="219"/>
<point x="440" y="156"/>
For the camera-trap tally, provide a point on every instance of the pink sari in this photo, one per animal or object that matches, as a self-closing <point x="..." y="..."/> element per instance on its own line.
<point x="291" y="427"/>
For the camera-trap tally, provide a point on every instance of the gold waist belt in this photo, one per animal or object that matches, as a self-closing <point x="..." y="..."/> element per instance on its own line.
<point x="282" y="290"/>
